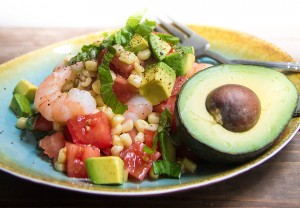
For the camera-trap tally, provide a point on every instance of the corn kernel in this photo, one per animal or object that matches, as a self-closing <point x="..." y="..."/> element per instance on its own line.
<point x="116" y="150"/>
<point x="119" y="49"/>
<point x="117" y="130"/>
<point x="117" y="141"/>
<point x="21" y="123"/>
<point x="127" y="126"/>
<point x="135" y="80"/>
<point x="67" y="86"/>
<point x="62" y="156"/>
<point x="87" y="82"/>
<point x="59" y="167"/>
<point x="144" y="54"/>
<point x="93" y="94"/>
<point x="153" y="118"/>
<point x="140" y="137"/>
<point x="110" y="114"/>
<point x="189" y="165"/>
<point x="117" y="119"/>
<point x="141" y="125"/>
<point x="126" y="139"/>
<point x="57" y="126"/>
<point x="138" y="67"/>
<point x="91" y="65"/>
<point x="152" y="127"/>
<point x="99" y="101"/>
<point x="127" y="57"/>
<point x="88" y="73"/>
<point x="96" y="86"/>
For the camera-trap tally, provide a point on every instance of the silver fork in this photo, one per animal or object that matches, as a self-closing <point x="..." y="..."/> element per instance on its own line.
<point x="189" y="37"/>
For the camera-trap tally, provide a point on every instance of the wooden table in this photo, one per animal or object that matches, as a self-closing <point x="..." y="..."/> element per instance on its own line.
<point x="276" y="183"/>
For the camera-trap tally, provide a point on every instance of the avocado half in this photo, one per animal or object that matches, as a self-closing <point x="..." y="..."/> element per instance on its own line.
<point x="208" y="139"/>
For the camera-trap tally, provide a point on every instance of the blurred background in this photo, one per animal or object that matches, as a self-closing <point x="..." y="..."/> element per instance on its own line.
<point x="276" y="21"/>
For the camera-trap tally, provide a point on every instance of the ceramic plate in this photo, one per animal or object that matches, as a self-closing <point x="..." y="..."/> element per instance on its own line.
<point x="18" y="152"/>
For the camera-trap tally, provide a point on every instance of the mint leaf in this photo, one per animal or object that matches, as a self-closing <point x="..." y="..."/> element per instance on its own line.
<point x="107" y="94"/>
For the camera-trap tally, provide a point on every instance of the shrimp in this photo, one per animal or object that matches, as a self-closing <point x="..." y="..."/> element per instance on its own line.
<point x="59" y="106"/>
<point x="138" y="108"/>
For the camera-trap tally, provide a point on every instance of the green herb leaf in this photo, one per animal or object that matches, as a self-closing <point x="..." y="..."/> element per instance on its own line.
<point x="107" y="94"/>
<point x="165" y="167"/>
<point x="88" y="52"/>
<point x="146" y="27"/>
<point x="133" y="21"/>
<point x="122" y="37"/>
<point x="172" y="40"/>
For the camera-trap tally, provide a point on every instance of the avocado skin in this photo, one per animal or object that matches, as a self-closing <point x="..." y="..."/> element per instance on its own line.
<point x="210" y="154"/>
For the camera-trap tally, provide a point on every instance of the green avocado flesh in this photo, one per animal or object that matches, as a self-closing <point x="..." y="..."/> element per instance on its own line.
<point x="211" y="141"/>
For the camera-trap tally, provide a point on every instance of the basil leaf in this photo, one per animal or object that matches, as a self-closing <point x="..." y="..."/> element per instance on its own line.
<point x="88" y="52"/>
<point x="146" y="27"/>
<point x="165" y="167"/>
<point x="107" y="94"/>
<point x="162" y="136"/>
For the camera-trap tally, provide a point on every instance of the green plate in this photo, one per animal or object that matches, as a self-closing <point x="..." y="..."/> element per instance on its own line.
<point x="18" y="152"/>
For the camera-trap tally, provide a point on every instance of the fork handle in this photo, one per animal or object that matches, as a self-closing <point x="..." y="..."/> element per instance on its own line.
<point x="290" y="66"/>
<point x="285" y="66"/>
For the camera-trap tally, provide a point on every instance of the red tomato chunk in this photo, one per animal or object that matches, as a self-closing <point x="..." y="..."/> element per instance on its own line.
<point x="52" y="144"/>
<point x="77" y="155"/>
<point x="123" y="89"/>
<point x="136" y="161"/>
<point x="93" y="129"/>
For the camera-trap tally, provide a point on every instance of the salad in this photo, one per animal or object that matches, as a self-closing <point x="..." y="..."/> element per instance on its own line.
<point x="107" y="113"/>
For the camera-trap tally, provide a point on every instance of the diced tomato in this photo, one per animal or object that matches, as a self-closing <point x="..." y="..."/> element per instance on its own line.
<point x="93" y="129"/>
<point x="77" y="155"/>
<point x="123" y="89"/>
<point x="121" y="68"/>
<point x="148" y="134"/>
<point x="136" y="161"/>
<point x="52" y="144"/>
<point x="180" y="80"/>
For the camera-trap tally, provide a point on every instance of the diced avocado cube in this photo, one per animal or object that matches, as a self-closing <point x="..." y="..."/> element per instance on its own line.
<point x="20" y="105"/>
<point x="26" y="88"/>
<point x="159" y="47"/>
<point x="137" y="43"/>
<point x="181" y="60"/>
<point x="158" y="82"/>
<point x="105" y="170"/>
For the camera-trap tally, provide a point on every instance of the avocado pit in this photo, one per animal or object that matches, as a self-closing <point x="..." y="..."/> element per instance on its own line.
<point x="235" y="107"/>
